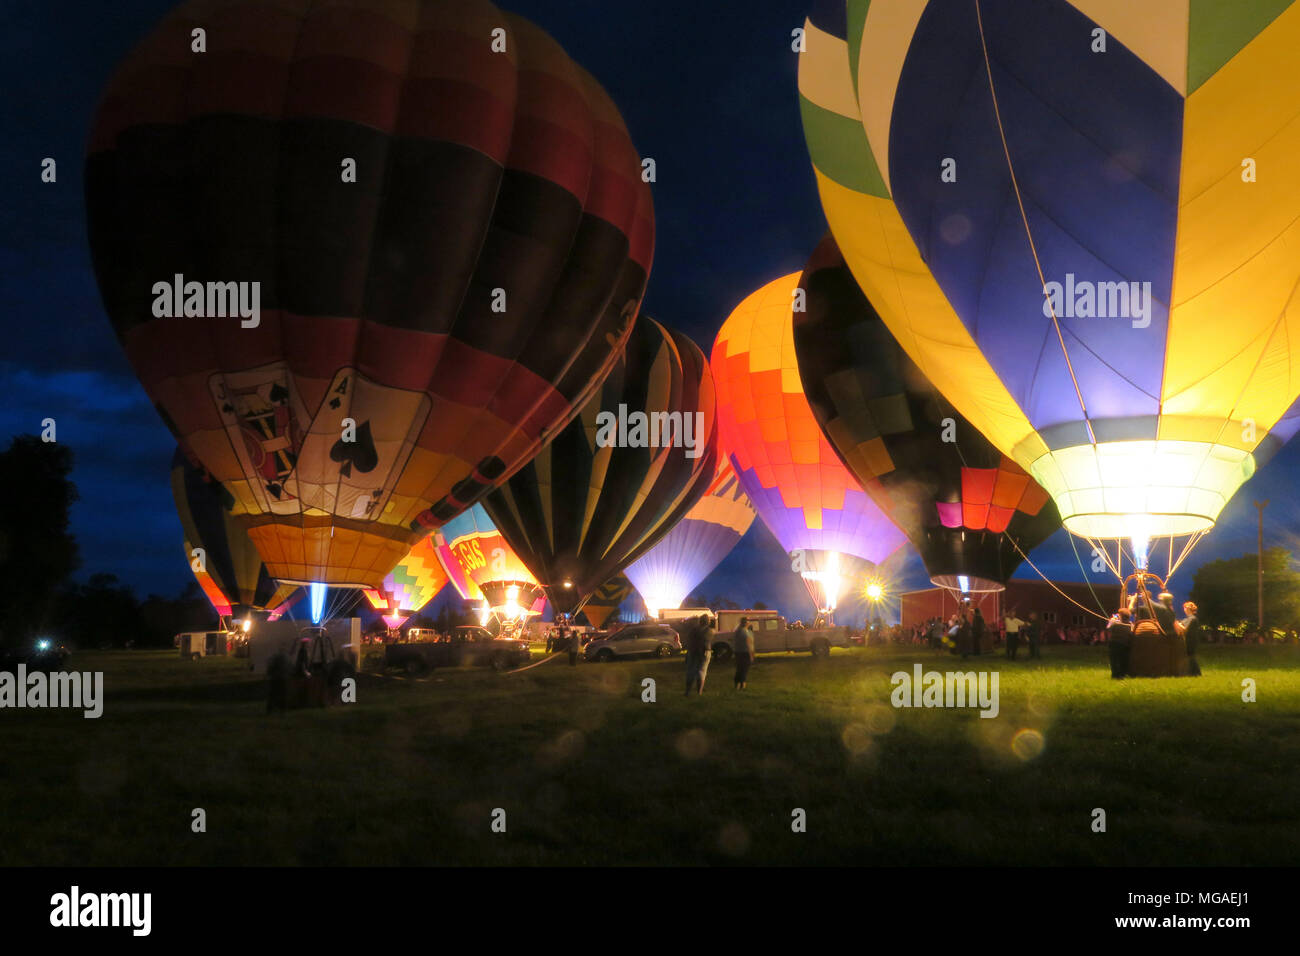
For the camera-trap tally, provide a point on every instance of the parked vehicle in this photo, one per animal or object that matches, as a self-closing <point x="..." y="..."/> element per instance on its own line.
<point x="196" y="644"/>
<point x="465" y="645"/>
<point x="772" y="633"/>
<point x="635" y="640"/>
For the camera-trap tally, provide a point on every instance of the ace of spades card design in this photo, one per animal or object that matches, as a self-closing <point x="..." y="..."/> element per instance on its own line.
<point x="347" y="468"/>
<point x="265" y="420"/>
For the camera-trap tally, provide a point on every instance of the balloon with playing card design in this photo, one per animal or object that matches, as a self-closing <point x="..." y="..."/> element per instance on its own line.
<point x="366" y="258"/>
<point x="637" y="458"/>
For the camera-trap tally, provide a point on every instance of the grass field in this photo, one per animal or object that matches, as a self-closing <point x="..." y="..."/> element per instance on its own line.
<point x="589" y="774"/>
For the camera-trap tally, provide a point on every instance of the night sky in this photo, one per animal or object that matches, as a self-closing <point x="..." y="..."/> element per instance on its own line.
<point x="711" y="96"/>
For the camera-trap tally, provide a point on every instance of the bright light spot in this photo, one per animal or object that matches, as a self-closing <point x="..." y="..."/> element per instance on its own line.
<point x="484" y="613"/>
<point x="1139" y="533"/>
<point x="43" y="645"/>
<point x="317" y="595"/>
<point x="963" y="582"/>
<point x="875" y="591"/>
<point x="1027" y="744"/>
<point x="248" y="624"/>
<point x="568" y="584"/>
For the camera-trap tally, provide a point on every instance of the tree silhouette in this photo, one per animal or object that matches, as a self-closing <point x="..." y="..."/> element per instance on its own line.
<point x="37" y="552"/>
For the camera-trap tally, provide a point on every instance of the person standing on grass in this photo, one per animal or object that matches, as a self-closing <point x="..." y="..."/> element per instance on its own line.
<point x="699" y="647"/>
<point x="1191" y="629"/>
<point x="977" y="631"/>
<point x="571" y="644"/>
<point x="1014" y="624"/>
<point x="743" y="640"/>
<point x="1033" y="631"/>
<point x="1119" y="641"/>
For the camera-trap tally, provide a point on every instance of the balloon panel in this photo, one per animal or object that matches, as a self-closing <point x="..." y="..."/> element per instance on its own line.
<point x="793" y="477"/>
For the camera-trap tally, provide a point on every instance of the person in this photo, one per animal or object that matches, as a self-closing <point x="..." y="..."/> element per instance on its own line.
<point x="1032" y="633"/>
<point x="964" y="634"/>
<point x="1119" y="641"/>
<point x="1191" y="629"/>
<point x="1164" y="612"/>
<point x="568" y="641"/>
<point x="743" y="641"/>
<point x="977" y="632"/>
<point x="1014" y="624"/>
<point x="699" y="647"/>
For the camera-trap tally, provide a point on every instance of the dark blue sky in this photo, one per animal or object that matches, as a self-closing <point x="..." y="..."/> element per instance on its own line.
<point x="711" y="96"/>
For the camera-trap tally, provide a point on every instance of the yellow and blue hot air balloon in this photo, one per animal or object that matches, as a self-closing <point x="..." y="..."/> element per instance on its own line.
<point x="1081" y="220"/>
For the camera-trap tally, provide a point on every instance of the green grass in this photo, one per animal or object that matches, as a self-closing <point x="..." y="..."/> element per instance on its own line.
<point x="589" y="774"/>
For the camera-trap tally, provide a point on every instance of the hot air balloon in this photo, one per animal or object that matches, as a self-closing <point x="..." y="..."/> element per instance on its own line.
<point x="797" y="484"/>
<point x="366" y="258"/>
<point x="669" y="571"/>
<point x="1076" y="248"/>
<point x="606" y="599"/>
<point x="220" y="554"/>
<point x="970" y="512"/>
<point x="413" y="583"/>
<point x="482" y="557"/>
<point x="636" y="459"/>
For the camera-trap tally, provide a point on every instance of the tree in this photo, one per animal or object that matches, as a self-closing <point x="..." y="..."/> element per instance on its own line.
<point x="37" y="552"/>
<point x="1226" y="591"/>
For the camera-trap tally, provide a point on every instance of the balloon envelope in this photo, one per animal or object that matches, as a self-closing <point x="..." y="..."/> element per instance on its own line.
<point x="229" y="570"/>
<point x="1075" y="247"/>
<point x="797" y="484"/>
<point x="483" y="558"/>
<point x="967" y="509"/>
<point x="413" y="583"/>
<point x="638" y="457"/>
<point x="363" y="263"/>
<point x="667" y="573"/>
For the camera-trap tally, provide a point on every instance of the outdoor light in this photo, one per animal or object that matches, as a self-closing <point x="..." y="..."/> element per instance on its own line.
<point x="875" y="591"/>
<point x="43" y="645"/>
<point x="248" y="624"/>
<point x="568" y="584"/>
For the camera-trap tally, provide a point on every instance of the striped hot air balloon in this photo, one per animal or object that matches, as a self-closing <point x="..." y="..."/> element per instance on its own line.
<point x="223" y="559"/>
<point x="1080" y="219"/>
<point x="365" y="257"/>
<point x="667" y="573"/>
<point x="797" y="484"/>
<point x="638" y="457"/>
<point x="970" y="512"/>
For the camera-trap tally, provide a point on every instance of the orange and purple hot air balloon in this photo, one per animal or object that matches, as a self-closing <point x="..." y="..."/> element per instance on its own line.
<point x="795" y="480"/>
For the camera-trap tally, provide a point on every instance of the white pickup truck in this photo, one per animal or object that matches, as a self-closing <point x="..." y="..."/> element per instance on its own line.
<point x="772" y="633"/>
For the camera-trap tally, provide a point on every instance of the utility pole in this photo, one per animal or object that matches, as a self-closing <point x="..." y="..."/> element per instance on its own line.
<point x="1260" y="505"/>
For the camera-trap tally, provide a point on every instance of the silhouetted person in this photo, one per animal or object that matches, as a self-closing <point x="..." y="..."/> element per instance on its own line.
<point x="1034" y="632"/>
<point x="699" y="646"/>
<point x="1192" y="630"/>
<point x="1119" y="642"/>
<point x="1165" y="617"/>
<point x="743" y="641"/>
<point x="977" y="631"/>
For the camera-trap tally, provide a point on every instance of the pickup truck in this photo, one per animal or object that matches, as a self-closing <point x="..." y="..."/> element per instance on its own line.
<point x="465" y="645"/>
<point x="772" y="633"/>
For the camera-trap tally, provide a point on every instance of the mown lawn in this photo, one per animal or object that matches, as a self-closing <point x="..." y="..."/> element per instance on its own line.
<point x="589" y="774"/>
